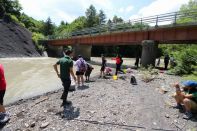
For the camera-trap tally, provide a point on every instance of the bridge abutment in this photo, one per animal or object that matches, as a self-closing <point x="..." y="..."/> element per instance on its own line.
<point x="83" y="50"/>
<point x="55" y="51"/>
<point x="149" y="51"/>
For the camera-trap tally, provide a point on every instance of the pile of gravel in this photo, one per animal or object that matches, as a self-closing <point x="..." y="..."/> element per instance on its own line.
<point x="16" y="41"/>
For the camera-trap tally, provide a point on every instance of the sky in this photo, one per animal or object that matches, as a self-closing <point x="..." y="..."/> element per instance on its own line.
<point x="68" y="10"/>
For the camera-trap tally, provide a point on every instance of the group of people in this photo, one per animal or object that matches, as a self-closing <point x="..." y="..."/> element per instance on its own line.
<point x="186" y="98"/>
<point x="119" y="62"/>
<point x="66" y="70"/>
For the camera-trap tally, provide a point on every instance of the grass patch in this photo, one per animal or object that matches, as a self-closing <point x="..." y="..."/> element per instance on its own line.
<point x="190" y="77"/>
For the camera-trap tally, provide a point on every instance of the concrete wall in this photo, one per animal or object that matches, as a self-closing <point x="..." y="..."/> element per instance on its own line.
<point x="149" y="51"/>
<point x="83" y="50"/>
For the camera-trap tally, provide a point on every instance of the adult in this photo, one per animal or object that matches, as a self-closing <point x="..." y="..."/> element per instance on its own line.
<point x="66" y="69"/>
<point x="166" y="61"/>
<point x="187" y="97"/>
<point x="118" y="64"/>
<point x="2" y="88"/>
<point x="81" y="67"/>
<point x="103" y="65"/>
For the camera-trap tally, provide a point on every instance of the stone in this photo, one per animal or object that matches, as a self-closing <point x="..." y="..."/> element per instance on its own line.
<point x="167" y="116"/>
<point x="44" y="125"/>
<point x="33" y="124"/>
<point x="26" y="125"/>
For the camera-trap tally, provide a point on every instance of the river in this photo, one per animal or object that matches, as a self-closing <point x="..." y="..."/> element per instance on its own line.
<point x="28" y="77"/>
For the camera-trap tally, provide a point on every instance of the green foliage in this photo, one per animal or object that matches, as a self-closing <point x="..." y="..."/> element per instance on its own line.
<point x="48" y="28"/>
<point x="102" y="17"/>
<point x="191" y="6"/>
<point x="91" y="16"/>
<point x="35" y="38"/>
<point x="11" y="6"/>
<point x="186" y="61"/>
<point x="117" y="19"/>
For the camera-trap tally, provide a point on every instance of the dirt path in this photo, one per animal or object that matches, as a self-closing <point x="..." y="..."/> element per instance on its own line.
<point x="104" y="104"/>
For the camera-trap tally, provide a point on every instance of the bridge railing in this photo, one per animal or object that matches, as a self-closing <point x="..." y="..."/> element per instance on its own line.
<point x="145" y="23"/>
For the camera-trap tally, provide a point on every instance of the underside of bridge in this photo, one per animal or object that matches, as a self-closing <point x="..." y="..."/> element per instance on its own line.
<point x="149" y="39"/>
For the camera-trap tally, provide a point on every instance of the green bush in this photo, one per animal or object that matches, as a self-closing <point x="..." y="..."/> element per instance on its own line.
<point x="35" y="38"/>
<point x="186" y="61"/>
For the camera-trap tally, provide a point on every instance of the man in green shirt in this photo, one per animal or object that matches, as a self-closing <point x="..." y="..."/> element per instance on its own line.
<point x="66" y="69"/>
<point x="187" y="97"/>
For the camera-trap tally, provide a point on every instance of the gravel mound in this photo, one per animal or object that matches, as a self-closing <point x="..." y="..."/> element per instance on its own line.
<point x="16" y="41"/>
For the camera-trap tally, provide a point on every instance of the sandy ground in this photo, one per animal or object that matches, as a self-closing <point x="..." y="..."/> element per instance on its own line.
<point x="102" y="105"/>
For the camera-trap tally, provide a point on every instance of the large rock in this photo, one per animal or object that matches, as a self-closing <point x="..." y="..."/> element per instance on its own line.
<point x="16" y="41"/>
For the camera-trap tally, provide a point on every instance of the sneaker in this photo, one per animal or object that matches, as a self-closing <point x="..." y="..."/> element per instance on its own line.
<point x="66" y="103"/>
<point x="4" y="117"/>
<point x="178" y="106"/>
<point x="188" y="115"/>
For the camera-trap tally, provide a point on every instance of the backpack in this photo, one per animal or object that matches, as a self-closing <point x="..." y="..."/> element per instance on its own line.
<point x="82" y="67"/>
<point x="133" y="80"/>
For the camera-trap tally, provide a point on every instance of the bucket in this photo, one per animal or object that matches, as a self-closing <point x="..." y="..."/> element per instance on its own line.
<point x="125" y="71"/>
<point x="115" y="77"/>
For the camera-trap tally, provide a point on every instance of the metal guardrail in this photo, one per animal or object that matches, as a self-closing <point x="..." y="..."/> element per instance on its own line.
<point x="136" y="24"/>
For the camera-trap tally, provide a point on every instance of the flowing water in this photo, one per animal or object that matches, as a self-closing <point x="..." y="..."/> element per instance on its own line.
<point x="28" y="77"/>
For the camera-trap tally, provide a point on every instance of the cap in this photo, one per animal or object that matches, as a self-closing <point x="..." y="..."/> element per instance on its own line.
<point x="190" y="83"/>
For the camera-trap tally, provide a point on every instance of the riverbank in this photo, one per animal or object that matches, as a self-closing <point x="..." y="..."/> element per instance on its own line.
<point x="104" y="104"/>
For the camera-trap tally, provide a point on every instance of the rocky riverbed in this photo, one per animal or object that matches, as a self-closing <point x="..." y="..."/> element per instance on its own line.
<point x="104" y="104"/>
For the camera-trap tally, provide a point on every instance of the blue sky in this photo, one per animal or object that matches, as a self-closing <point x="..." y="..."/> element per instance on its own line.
<point x="68" y="10"/>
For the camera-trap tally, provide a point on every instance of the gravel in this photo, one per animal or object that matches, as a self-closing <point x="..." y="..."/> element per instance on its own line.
<point x="104" y="104"/>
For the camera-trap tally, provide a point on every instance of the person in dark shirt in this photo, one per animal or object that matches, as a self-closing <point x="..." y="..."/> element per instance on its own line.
<point x="166" y="61"/>
<point x="103" y="65"/>
<point x="66" y="69"/>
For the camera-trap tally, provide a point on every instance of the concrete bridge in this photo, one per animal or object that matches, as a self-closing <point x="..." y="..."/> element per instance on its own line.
<point x="149" y="37"/>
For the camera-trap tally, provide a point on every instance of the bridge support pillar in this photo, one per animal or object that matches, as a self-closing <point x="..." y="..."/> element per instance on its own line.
<point x="149" y="50"/>
<point x="55" y="51"/>
<point x="83" y="50"/>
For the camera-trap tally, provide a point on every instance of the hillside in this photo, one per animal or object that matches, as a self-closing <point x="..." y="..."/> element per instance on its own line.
<point x="16" y="41"/>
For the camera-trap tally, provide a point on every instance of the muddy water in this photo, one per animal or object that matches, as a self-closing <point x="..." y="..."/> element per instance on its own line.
<point x="28" y="77"/>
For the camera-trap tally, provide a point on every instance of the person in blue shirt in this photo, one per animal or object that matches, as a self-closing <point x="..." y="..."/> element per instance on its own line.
<point x="187" y="97"/>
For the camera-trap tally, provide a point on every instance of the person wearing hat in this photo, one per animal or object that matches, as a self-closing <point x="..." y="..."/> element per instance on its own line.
<point x="187" y="97"/>
<point x="66" y="69"/>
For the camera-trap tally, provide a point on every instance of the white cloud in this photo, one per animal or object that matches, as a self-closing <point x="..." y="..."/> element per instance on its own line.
<point x="126" y="10"/>
<point x="159" y="7"/>
<point x="58" y="10"/>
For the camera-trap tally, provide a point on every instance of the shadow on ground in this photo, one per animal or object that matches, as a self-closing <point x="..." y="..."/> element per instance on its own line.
<point x="69" y="112"/>
<point x="83" y="87"/>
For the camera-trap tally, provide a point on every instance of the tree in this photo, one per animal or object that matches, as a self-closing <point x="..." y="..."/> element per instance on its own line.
<point x="12" y="7"/>
<point x="191" y="6"/>
<point x="117" y="20"/>
<point x="91" y="16"/>
<point x="48" y="27"/>
<point x="102" y="17"/>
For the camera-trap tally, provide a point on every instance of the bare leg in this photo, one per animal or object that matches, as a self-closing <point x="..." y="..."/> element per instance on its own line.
<point x="2" y="109"/>
<point x="187" y="104"/>
<point x="78" y="80"/>
<point x="82" y="80"/>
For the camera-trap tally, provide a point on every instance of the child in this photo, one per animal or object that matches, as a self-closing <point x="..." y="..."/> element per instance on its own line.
<point x="88" y="72"/>
<point x="108" y="71"/>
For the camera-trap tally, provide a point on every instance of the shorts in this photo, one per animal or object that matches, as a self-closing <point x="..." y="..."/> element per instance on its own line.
<point x="88" y="72"/>
<point x="2" y="93"/>
<point x="193" y="106"/>
<point x="78" y="73"/>
<point x="103" y="68"/>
